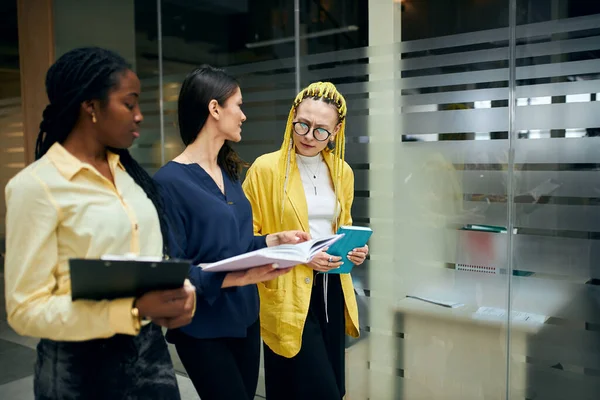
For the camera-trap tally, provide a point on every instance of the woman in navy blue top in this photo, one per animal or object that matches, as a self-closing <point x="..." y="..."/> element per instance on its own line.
<point x="211" y="220"/>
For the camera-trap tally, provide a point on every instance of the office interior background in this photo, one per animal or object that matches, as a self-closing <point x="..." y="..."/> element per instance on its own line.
<point x="472" y="131"/>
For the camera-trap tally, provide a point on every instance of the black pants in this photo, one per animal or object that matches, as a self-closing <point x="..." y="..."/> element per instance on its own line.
<point x="222" y="368"/>
<point x="121" y="367"/>
<point x="317" y="371"/>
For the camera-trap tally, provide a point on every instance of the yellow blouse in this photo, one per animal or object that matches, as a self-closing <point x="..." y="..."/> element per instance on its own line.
<point x="60" y="208"/>
<point x="284" y="301"/>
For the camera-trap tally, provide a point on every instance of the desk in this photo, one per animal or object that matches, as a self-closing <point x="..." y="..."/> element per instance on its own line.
<point x="448" y="354"/>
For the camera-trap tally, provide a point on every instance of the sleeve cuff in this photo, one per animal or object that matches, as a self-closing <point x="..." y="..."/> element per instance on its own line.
<point x="259" y="242"/>
<point x="120" y="318"/>
<point x="211" y="285"/>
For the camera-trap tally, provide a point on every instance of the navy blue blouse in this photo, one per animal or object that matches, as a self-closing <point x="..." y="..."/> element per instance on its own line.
<point x="209" y="226"/>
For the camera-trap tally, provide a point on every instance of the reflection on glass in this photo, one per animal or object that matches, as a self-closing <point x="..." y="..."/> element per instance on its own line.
<point x="555" y="238"/>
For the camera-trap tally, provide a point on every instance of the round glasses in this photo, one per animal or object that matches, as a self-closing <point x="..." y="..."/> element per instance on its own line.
<point x="302" y="129"/>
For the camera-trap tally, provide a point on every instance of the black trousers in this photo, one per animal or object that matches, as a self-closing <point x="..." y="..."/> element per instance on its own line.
<point x="121" y="367"/>
<point x="317" y="371"/>
<point x="222" y="368"/>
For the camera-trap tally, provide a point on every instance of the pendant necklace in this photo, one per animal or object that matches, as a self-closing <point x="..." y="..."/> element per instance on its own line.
<point x="314" y="174"/>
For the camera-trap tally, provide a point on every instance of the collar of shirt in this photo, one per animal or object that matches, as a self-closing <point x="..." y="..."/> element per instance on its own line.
<point x="69" y="165"/>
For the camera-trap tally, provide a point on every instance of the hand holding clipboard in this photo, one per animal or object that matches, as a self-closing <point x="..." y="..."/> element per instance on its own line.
<point x="159" y="287"/>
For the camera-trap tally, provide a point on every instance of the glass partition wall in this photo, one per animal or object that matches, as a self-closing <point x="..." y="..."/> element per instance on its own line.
<point x="472" y="132"/>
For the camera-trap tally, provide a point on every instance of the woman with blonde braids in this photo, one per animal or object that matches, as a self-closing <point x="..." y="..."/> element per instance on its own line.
<point x="307" y="185"/>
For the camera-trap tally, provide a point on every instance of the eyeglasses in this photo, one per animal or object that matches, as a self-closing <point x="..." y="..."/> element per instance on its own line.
<point x="302" y="129"/>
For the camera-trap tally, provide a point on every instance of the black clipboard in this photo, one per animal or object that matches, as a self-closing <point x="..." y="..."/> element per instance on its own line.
<point x="108" y="279"/>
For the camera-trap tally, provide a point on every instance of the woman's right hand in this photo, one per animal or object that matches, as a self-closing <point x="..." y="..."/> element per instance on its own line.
<point x="169" y="308"/>
<point x="254" y="275"/>
<point x="324" y="262"/>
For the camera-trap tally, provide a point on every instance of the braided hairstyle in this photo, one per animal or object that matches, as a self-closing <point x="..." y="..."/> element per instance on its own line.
<point x="327" y="93"/>
<point x="198" y="89"/>
<point x="86" y="74"/>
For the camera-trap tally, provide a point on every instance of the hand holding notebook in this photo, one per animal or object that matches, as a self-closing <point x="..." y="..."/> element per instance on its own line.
<point x="353" y="237"/>
<point x="286" y="255"/>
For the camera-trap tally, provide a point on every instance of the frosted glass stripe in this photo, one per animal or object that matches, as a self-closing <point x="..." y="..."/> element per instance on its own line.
<point x="459" y="58"/>
<point x="476" y="120"/>
<point x="495" y="75"/>
<point x="486" y="182"/>
<point x="461" y="78"/>
<point x="558" y="47"/>
<point x="558" y="26"/>
<point x="496" y="35"/>
<point x="523" y="51"/>
<point x="268" y="67"/>
<point x="557" y="150"/>
<point x="338" y="71"/>
<point x="559" y="217"/>
<point x="462" y="39"/>
<point x="584" y="184"/>
<point x="576" y="258"/>
<point x="558" y="69"/>
<point x="371" y="52"/>
<point x="457" y="152"/>
<point x="558" y="116"/>
<point x="558" y="89"/>
<point x="488" y="36"/>
<point x="539" y="216"/>
<point x="466" y="96"/>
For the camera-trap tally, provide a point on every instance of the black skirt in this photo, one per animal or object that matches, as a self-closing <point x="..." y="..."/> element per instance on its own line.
<point x="317" y="372"/>
<point x="121" y="367"/>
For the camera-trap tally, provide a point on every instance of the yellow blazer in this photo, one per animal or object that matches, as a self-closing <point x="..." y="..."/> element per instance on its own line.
<point x="284" y="301"/>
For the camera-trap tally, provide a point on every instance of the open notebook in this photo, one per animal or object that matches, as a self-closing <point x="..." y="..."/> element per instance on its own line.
<point x="285" y="255"/>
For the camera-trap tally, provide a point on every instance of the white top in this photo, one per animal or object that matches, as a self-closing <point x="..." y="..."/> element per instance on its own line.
<point x="320" y="197"/>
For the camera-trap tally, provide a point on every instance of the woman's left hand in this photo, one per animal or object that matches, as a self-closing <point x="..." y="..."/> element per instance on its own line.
<point x="358" y="256"/>
<point x="287" y="237"/>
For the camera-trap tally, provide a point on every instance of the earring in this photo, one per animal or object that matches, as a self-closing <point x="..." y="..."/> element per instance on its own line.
<point x="94" y="120"/>
<point x="331" y="145"/>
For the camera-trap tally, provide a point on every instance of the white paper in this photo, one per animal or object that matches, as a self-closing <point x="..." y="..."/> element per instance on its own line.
<point x="448" y="304"/>
<point x="285" y="256"/>
<point x="130" y="257"/>
<point x="516" y="316"/>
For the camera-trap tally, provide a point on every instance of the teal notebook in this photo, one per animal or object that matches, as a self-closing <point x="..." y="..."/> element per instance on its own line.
<point x="354" y="237"/>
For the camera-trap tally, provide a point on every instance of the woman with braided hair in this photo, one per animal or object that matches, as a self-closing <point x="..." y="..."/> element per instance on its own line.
<point x="307" y="185"/>
<point x="84" y="197"/>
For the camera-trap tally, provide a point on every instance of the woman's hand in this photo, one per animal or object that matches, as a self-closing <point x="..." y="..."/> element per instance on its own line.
<point x="169" y="308"/>
<point x="287" y="237"/>
<point x="254" y="275"/>
<point x="324" y="262"/>
<point x="359" y="255"/>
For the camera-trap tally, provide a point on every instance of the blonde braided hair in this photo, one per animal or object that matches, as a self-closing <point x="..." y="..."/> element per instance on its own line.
<point x="327" y="92"/>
